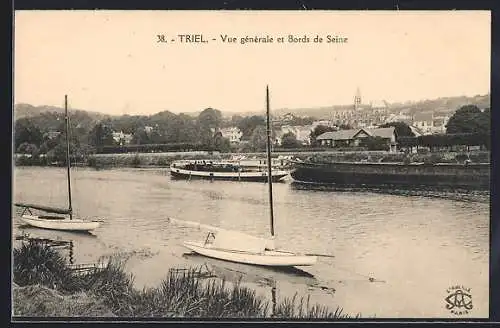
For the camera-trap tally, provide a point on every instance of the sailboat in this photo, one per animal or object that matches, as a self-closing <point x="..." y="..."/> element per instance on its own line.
<point x="239" y="247"/>
<point x="65" y="220"/>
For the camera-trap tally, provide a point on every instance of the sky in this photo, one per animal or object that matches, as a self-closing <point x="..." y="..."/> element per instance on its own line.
<point x="111" y="62"/>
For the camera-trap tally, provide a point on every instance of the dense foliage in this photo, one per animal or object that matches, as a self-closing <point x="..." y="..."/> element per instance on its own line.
<point x="469" y="119"/>
<point x="44" y="134"/>
<point x="447" y="140"/>
<point x="289" y="140"/>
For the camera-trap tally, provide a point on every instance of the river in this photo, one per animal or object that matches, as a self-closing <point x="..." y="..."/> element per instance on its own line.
<point x="413" y="245"/>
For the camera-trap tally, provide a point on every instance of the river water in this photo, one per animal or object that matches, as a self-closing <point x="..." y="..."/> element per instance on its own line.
<point x="413" y="245"/>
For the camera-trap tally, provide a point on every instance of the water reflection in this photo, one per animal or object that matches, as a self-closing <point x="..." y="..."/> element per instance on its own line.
<point x="59" y="244"/>
<point x="261" y="275"/>
<point x="444" y="192"/>
<point x="268" y="278"/>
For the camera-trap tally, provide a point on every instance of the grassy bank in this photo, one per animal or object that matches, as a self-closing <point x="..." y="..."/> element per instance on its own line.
<point x="431" y="158"/>
<point x="44" y="285"/>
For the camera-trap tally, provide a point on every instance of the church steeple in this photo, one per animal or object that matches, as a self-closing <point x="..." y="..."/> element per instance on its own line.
<point x="357" y="99"/>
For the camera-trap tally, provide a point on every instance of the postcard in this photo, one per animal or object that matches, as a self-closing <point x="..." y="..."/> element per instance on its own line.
<point x="251" y="164"/>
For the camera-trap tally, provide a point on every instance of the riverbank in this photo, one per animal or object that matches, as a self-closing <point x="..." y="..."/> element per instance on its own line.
<point x="46" y="286"/>
<point x="165" y="159"/>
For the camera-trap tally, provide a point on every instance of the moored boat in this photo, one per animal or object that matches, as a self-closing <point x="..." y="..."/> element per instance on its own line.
<point x="467" y="175"/>
<point x="224" y="170"/>
<point x="275" y="258"/>
<point x="64" y="219"/>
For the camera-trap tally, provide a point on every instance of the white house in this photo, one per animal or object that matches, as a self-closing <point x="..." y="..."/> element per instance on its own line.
<point x="122" y="138"/>
<point x="302" y="133"/>
<point x="424" y="121"/>
<point x="234" y="134"/>
<point x="439" y="123"/>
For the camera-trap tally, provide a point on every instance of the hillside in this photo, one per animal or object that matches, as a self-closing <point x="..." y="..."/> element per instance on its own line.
<point x="27" y="110"/>
<point x="442" y="105"/>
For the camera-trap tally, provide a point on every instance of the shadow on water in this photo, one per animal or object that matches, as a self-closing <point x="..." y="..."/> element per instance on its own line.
<point x="53" y="243"/>
<point x="268" y="278"/>
<point x="252" y="273"/>
<point x="66" y="247"/>
<point x="444" y="192"/>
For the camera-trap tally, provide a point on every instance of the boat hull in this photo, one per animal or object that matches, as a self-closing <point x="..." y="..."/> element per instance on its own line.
<point x="178" y="173"/>
<point x="475" y="176"/>
<point x="60" y="224"/>
<point x="267" y="258"/>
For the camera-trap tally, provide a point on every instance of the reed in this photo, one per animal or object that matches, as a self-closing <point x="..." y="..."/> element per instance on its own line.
<point x="187" y="295"/>
<point x="35" y="262"/>
<point x="294" y="308"/>
<point x="183" y="293"/>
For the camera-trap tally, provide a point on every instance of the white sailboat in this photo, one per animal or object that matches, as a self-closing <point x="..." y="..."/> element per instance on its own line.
<point x="243" y="248"/>
<point x="65" y="220"/>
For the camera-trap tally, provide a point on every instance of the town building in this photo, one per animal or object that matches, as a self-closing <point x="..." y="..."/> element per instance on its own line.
<point x="429" y="123"/>
<point x="357" y="137"/>
<point x="423" y="121"/>
<point x="328" y="123"/>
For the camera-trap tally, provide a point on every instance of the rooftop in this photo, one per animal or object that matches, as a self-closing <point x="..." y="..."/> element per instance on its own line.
<point x="350" y="134"/>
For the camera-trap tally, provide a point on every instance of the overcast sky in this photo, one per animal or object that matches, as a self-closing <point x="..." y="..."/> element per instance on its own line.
<point x="110" y="61"/>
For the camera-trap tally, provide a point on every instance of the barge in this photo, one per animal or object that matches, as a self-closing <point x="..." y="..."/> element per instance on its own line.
<point x="223" y="170"/>
<point x="467" y="175"/>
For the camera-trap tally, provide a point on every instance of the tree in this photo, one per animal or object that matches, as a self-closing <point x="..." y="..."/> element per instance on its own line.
<point x="248" y="124"/>
<point x="258" y="140"/>
<point x="401" y="128"/>
<point x="236" y="119"/>
<point x="26" y="131"/>
<point x="222" y="144"/>
<point x="484" y="121"/>
<point x="140" y="137"/>
<point x="58" y="153"/>
<point x="183" y="128"/>
<point x="301" y="120"/>
<point x="27" y="148"/>
<point x="210" y="118"/>
<point x="468" y="119"/>
<point x="101" y="135"/>
<point x="319" y="130"/>
<point x="289" y="140"/>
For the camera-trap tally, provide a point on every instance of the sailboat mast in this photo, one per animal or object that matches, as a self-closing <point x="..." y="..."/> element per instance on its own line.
<point x="68" y="164"/>
<point x="269" y="166"/>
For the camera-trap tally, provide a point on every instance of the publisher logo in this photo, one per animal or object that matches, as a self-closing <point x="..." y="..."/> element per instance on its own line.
<point x="459" y="300"/>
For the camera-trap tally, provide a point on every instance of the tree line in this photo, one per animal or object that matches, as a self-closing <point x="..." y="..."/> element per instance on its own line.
<point x="44" y="134"/>
<point x="468" y="126"/>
